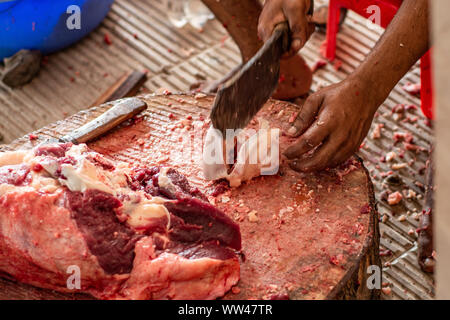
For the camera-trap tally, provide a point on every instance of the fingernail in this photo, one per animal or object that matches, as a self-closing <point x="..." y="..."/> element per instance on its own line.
<point x="292" y="131"/>
<point x="296" y="44"/>
<point x="295" y="165"/>
<point x="286" y="153"/>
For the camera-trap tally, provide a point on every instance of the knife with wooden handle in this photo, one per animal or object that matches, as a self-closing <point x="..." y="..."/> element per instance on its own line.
<point x="121" y="111"/>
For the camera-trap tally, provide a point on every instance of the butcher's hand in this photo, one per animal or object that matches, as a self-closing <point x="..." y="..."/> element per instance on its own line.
<point x="331" y="126"/>
<point x="295" y="12"/>
<point x="336" y="119"/>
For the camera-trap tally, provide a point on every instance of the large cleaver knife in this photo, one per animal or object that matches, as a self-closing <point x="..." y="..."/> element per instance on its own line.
<point x="241" y="97"/>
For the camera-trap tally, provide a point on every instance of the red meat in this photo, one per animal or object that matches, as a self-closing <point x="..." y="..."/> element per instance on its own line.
<point x="43" y="234"/>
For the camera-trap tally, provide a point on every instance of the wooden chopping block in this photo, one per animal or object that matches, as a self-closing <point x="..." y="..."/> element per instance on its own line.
<point x="314" y="235"/>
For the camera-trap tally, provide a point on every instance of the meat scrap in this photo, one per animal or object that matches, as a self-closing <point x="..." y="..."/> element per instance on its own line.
<point x="107" y="39"/>
<point x="398" y="166"/>
<point x="318" y="65"/>
<point x="135" y="233"/>
<point x="411" y="107"/>
<point x="385" y="253"/>
<point x="257" y="154"/>
<point x="376" y="133"/>
<point x="403" y="136"/>
<point x="323" y="49"/>
<point x="365" y="209"/>
<point x="399" y="108"/>
<point x="390" y="156"/>
<point x="394" y="198"/>
<point x="386" y="290"/>
<point x="17" y="175"/>
<point x="337" y="65"/>
<point x="412" y="147"/>
<point x="252" y="216"/>
<point x="412" y="88"/>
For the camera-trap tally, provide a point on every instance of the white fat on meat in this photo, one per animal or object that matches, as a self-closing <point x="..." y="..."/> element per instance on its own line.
<point x="13" y="157"/>
<point x="142" y="212"/>
<point x="84" y="175"/>
<point x="258" y="155"/>
<point x="165" y="182"/>
<point x="41" y="182"/>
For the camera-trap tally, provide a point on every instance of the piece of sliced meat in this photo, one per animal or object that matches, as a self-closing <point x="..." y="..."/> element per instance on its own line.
<point x="184" y="273"/>
<point x="200" y="221"/>
<point x="257" y="154"/>
<point x="165" y="182"/>
<point x="54" y="150"/>
<point x="111" y="241"/>
<point x="174" y="185"/>
<point x="18" y="175"/>
<point x="183" y="248"/>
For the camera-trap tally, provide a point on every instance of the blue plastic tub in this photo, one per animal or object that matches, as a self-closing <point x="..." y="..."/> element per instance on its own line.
<point x="42" y="24"/>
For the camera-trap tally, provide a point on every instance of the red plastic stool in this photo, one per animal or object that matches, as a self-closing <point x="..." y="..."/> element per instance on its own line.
<point x="388" y="9"/>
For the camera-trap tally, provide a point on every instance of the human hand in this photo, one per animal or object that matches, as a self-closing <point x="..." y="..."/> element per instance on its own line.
<point x="332" y="124"/>
<point x="296" y="12"/>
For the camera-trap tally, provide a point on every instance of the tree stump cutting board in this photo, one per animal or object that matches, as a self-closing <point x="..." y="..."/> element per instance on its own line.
<point x="304" y="236"/>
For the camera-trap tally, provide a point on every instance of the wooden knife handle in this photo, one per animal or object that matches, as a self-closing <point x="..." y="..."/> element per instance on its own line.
<point x="127" y="86"/>
<point x="121" y="111"/>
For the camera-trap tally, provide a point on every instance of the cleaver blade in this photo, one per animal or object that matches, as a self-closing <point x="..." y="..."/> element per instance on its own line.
<point x="243" y="95"/>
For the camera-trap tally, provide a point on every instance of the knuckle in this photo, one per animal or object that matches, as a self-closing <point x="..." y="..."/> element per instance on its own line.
<point x="307" y="144"/>
<point x="339" y="116"/>
<point x="312" y="139"/>
<point x="309" y="108"/>
<point x="261" y="30"/>
<point x="315" y="98"/>
<point x="295" y="5"/>
<point x="300" y="145"/>
<point x="324" y="117"/>
<point x="299" y="123"/>
<point x="296" y="29"/>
